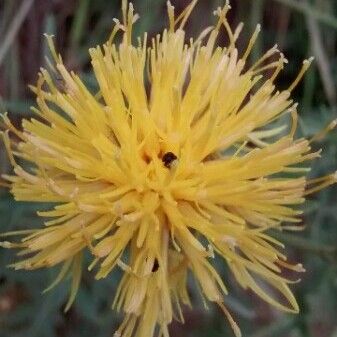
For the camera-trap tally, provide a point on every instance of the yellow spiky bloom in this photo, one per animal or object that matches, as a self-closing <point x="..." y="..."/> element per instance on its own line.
<point x="178" y="158"/>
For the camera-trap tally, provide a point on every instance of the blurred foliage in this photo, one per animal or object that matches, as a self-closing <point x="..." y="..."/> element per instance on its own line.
<point x="301" y="28"/>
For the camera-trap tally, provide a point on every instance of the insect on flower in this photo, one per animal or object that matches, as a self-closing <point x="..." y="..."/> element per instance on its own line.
<point x="107" y="164"/>
<point x="155" y="266"/>
<point x="168" y="159"/>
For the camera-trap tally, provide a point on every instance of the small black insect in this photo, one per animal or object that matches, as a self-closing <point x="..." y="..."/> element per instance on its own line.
<point x="155" y="266"/>
<point x="168" y="159"/>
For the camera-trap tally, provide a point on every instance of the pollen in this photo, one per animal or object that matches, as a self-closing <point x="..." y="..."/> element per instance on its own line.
<point x="187" y="152"/>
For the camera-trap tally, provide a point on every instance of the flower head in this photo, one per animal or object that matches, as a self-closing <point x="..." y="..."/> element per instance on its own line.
<point x="179" y="157"/>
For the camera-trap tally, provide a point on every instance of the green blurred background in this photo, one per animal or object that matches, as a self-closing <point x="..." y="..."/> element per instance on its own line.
<point x="301" y="29"/>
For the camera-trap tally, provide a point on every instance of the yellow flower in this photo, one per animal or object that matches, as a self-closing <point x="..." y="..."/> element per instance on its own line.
<point x="179" y="157"/>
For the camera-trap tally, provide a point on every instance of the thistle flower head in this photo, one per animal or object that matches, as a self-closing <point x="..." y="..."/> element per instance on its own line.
<point x="179" y="157"/>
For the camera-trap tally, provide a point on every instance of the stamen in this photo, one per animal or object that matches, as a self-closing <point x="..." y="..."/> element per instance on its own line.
<point x="50" y="65"/>
<point x="62" y="274"/>
<point x="322" y="182"/>
<point x="203" y="35"/>
<point x="294" y="116"/>
<point x="122" y="327"/>
<point x="115" y="30"/>
<point x="20" y="232"/>
<point x="264" y="57"/>
<point x="256" y="141"/>
<point x="304" y="170"/>
<point x="124" y="11"/>
<point x="252" y="42"/>
<point x="129" y="18"/>
<point x="298" y="228"/>
<point x="238" y="31"/>
<point x="240" y="148"/>
<point x="7" y="244"/>
<point x="305" y="67"/>
<point x="93" y="264"/>
<point x="272" y="65"/>
<point x="126" y="268"/>
<point x="7" y="143"/>
<point x="57" y="57"/>
<point x="295" y="267"/>
<point x="230" y="34"/>
<point x="282" y="62"/>
<point x="170" y="10"/>
<point x="230" y="319"/>
<point x="321" y="134"/>
<point x="6" y="185"/>
<point x="76" y="279"/>
<point x="87" y="240"/>
<point x="183" y="17"/>
<point x="221" y="13"/>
